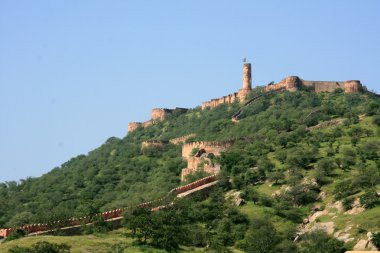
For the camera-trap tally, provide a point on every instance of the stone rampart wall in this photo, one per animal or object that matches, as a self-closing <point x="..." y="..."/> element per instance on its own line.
<point x="153" y="143"/>
<point x="214" y="147"/>
<point x="195" y="184"/>
<point x="154" y="205"/>
<point x="293" y="83"/>
<point x="157" y="114"/>
<point x="181" y="139"/>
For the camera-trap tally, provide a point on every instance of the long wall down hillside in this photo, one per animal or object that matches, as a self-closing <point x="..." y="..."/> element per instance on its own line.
<point x="108" y="215"/>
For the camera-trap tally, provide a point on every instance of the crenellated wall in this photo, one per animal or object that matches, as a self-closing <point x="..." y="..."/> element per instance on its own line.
<point x="290" y="83"/>
<point x="157" y="114"/>
<point x="293" y="83"/>
<point x="153" y="143"/>
<point x="201" y="158"/>
<point x="213" y="170"/>
<point x="181" y="139"/>
<point x="214" y="147"/>
<point x="154" y="205"/>
<point x="132" y="126"/>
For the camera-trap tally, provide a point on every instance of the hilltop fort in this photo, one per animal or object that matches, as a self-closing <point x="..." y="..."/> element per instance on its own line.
<point x="290" y="83"/>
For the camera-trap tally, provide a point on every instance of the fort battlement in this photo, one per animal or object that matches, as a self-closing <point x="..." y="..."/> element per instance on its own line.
<point x="157" y="115"/>
<point x="153" y="143"/>
<point x="201" y="160"/>
<point x="293" y="83"/>
<point x="215" y="147"/>
<point x="290" y="83"/>
<point x="181" y="139"/>
<point x="154" y="205"/>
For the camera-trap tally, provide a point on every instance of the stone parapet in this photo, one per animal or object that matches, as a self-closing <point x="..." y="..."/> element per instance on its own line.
<point x="181" y="139"/>
<point x="214" y="147"/>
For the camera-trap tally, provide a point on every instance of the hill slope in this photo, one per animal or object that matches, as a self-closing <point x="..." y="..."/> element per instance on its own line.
<point x="294" y="155"/>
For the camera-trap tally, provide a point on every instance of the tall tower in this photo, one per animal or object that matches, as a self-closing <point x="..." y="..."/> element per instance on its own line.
<point x="247" y="83"/>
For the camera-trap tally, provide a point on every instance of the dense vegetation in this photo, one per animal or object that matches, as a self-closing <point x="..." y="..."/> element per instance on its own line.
<point x="273" y="146"/>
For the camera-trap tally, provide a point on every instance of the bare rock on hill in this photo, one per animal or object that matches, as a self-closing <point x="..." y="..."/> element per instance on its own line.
<point x="326" y="226"/>
<point x="356" y="208"/>
<point x="321" y="195"/>
<point x="317" y="214"/>
<point x="235" y="197"/>
<point x="338" y="206"/>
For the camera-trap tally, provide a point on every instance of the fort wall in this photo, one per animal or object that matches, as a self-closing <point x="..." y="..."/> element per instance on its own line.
<point x="293" y="83"/>
<point x="290" y="83"/>
<point x="208" y="169"/>
<point x="201" y="159"/>
<point x="157" y="114"/>
<point x="108" y="215"/>
<point x="214" y="147"/>
<point x="181" y="139"/>
<point x="132" y="126"/>
<point x="153" y="143"/>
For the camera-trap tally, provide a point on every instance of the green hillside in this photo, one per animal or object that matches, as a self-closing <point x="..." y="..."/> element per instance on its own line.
<point x="295" y="155"/>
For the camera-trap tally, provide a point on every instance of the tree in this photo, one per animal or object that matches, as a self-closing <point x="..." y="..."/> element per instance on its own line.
<point x="260" y="238"/>
<point x="42" y="247"/>
<point x="276" y="176"/>
<point x="327" y="165"/>
<point x="376" y="120"/>
<point x="140" y="221"/>
<point x="376" y="240"/>
<point x="368" y="176"/>
<point x="300" y="158"/>
<point x="21" y="219"/>
<point x="370" y="199"/>
<point x="370" y="150"/>
<point x="222" y="236"/>
<point x="320" y="242"/>
<point x="349" y="158"/>
<point x="168" y="230"/>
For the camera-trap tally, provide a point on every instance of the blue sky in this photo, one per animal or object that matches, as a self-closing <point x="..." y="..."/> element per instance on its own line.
<point x="74" y="73"/>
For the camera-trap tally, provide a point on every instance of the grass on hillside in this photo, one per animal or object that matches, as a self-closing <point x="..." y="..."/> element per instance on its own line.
<point x="96" y="243"/>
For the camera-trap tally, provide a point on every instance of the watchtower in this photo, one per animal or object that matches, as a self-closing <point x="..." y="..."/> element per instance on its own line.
<point x="247" y="81"/>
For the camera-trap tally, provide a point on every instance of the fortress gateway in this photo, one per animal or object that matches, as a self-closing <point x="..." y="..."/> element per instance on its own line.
<point x="290" y="83"/>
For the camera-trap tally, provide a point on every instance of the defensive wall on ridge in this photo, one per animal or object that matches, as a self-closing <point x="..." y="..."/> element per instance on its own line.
<point x="293" y="83"/>
<point x="181" y="139"/>
<point x="290" y="83"/>
<point x="112" y="214"/>
<point x="157" y="115"/>
<point x="153" y="143"/>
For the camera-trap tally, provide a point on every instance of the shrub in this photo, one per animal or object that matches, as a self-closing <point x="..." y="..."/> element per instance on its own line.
<point x="320" y="242"/>
<point x="376" y="120"/>
<point x="42" y="247"/>
<point x="18" y="233"/>
<point x="370" y="199"/>
<point x="344" y="189"/>
<point x="376" y="240"/>
<point x="347" y="203"/>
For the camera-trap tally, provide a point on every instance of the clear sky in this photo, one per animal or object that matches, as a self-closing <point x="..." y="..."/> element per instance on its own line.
<point x="74" y="73"/>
